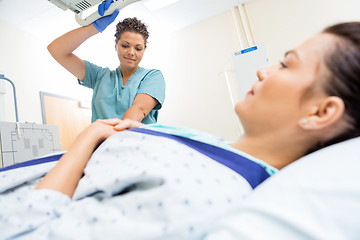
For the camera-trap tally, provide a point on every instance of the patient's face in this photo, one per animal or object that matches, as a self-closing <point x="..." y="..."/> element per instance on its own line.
<point x="286" y="91"/>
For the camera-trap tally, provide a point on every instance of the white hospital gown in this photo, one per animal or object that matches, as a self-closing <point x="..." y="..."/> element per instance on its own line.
<point x="135" y="186"/>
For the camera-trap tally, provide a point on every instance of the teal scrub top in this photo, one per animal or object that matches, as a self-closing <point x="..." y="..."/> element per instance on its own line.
<point x="111" y="99"/>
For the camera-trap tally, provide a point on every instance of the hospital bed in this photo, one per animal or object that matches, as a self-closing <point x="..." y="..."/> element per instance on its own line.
<point x="317" y="197"/>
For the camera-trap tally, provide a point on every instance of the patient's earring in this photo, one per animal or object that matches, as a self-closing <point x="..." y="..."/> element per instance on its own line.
<point x="304" y="121"/>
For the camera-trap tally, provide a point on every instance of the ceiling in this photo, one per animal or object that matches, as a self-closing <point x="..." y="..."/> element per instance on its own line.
<point x="39" y="17"/>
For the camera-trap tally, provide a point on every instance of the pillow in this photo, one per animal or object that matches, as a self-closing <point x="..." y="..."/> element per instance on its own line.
<point x="316" y="197"/>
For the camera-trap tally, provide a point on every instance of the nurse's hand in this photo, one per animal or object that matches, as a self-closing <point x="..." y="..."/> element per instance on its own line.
<point x="102" y="23"/>
<point x="120" y="125"/>
<point x="99" y="132"/>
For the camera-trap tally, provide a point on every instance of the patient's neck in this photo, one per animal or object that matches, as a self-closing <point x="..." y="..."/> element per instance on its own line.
<point x="270" y="149"/>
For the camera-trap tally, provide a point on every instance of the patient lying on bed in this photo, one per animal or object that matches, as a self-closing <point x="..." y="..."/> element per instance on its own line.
<point x="157" y="182"/>
<point x="154" y="182"/>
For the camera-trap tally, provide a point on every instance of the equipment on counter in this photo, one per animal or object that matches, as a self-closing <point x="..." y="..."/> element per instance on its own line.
<point x="20" y="142"/>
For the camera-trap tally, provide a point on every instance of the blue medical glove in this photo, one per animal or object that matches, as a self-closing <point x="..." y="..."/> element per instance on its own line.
<point x="104" y="6"/>
<point x="102" y="23"/>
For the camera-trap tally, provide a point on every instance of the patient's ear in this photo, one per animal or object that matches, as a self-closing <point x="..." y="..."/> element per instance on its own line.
<point x="329" y="111"/>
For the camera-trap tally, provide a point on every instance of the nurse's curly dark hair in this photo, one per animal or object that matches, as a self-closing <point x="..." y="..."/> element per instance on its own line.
<point x="131" y="25"/>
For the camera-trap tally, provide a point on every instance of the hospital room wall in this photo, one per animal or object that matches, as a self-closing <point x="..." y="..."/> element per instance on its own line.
<point x="194" y="61"/>
<point x="283" y="24"/>
<point x="19" y="51"/>
<point x="26" y="62"/>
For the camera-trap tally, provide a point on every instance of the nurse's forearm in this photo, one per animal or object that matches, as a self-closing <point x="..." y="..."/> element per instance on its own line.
<point x="64" y="45"/>
<point x="141" y="107"/>
<point x="61" y="49"/>
<point x="134" y="113"/>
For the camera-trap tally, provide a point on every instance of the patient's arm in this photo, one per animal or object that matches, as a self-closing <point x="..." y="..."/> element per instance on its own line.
<point x="64" y="177"/>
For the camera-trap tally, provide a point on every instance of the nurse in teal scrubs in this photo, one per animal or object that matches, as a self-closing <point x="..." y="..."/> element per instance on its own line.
<point x="129" y="91"/>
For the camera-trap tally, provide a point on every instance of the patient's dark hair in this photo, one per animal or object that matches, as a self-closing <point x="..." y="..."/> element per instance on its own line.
<point x="343" y="62"/>
<point x="131" y="25"/>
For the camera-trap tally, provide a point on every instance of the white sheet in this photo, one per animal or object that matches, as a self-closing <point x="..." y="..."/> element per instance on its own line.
<point x="317" y="197"/>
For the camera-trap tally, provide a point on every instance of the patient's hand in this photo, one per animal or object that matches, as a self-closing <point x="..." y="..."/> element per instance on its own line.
<point x="120" y="125"/>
